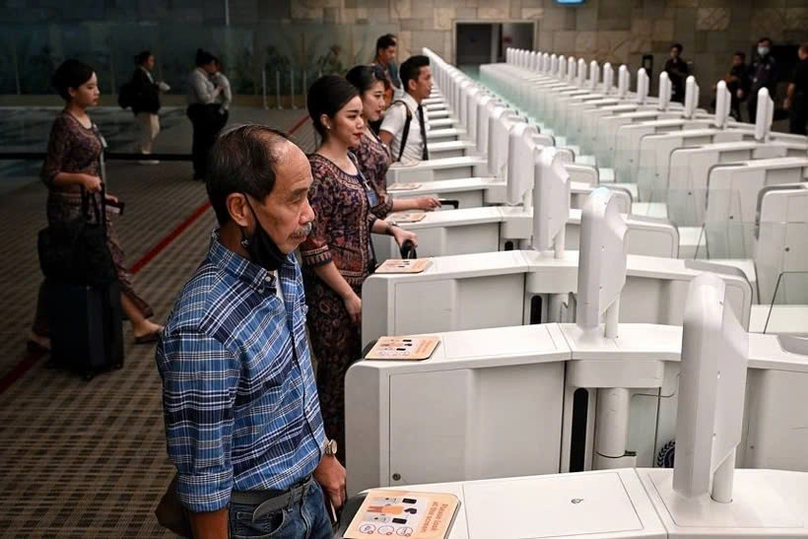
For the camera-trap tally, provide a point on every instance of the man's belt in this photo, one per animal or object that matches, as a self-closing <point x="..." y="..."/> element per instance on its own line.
<point x="269" y="501"/>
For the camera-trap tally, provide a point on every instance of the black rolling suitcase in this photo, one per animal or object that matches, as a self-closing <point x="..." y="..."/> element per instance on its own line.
<point x="86" y="328"/>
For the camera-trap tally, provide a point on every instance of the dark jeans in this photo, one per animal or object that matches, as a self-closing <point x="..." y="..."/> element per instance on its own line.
<point x="735" y="108"/>
<point x="308" y="518"/>
<point x="207" y="121"/>
<point x="751" y="107"/>
<point x="798" y="116"/>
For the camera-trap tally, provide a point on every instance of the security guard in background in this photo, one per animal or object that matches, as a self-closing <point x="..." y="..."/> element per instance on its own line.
<point x="797" y="97"/>
<point x="763" y="73"/>
<point x="677" y="71"/>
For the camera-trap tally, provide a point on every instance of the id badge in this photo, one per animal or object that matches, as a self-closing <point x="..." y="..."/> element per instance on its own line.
<point x="101" y="138"/>
<point x="373" y="199"/>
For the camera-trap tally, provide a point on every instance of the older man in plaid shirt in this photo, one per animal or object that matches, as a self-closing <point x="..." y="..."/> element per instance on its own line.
<point x="243" y="424"/>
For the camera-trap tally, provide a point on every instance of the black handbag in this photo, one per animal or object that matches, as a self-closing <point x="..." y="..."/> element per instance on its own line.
<point x="76" y="251"/>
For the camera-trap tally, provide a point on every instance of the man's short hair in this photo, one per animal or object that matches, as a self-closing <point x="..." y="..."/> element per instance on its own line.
<point x="741" y="54"/>
<point x="678" y="47"/>
<point x="411" y="68"/>
<point x="243" y="160"/>
<point x="765" y="39"/>
<point x="385" y="42"/>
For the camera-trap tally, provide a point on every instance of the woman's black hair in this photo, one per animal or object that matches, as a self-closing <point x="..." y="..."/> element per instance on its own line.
<point x="71" y="74"/>
<point x="203" y="57"/>
<point x="364" y="77"/>
<point x="327" y="96"/>
<point x="141" y="57"/>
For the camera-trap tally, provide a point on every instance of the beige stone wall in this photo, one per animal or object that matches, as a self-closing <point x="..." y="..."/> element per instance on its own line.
<point x="619" y="31"/>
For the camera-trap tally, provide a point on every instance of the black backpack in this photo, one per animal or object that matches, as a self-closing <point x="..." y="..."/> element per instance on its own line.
<point x="126" y="95"/>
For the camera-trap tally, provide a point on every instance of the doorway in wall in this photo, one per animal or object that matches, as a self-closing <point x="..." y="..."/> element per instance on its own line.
<point x="485" y="43"/>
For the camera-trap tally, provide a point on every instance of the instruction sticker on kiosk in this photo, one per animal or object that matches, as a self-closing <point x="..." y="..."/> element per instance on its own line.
<point x="397" y="513"/>
<point x="403" y="348"/>
<point x="413" y="216"/>
<point x="396" y="265"/>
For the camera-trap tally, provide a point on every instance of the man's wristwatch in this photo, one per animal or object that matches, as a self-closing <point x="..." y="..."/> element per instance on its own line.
<point x="330" y="448"/>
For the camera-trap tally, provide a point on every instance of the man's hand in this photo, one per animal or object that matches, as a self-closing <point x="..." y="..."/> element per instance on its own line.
<point x="330" y="475"/>
<point x="787" y="103"/>
<point x="210" y="525"/>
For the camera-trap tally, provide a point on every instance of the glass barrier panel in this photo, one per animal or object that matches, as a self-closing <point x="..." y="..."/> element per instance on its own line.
<point x="30" y="53"/>
<point x="781" y="260"/>
<point x="788" y="310"/>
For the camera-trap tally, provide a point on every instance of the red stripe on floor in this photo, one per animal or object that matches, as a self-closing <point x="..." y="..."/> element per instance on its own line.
<point x="28" y="361"/>
<point x="166" y="241"/>
<point x="197" y="213"/>
<point x="31" y="358"/>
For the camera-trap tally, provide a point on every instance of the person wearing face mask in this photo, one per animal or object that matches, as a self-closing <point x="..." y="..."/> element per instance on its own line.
<point x="763" y="74"/>
<point x="243" y="424"/>
<point x="373" y="155"/>
<point x="338" y="254"/>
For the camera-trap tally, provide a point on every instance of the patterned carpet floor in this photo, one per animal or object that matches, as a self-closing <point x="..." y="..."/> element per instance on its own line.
<point x="87" y="459"/>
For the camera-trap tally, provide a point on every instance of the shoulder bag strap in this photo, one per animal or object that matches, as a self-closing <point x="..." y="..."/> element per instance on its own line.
<point x="406" y="133"/>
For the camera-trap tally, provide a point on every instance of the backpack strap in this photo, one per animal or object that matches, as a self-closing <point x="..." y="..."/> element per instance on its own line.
<point x="407" y="123"/>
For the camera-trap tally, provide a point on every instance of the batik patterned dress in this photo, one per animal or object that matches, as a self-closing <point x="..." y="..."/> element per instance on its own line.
<point x="341" y="234"/>
<point x="374" y="159"/>
<point x="74" y="148"/>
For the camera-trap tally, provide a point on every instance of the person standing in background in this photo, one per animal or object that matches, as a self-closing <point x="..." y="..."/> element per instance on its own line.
<point x="797" y="97"/>
<point x="763" y="74"/>
<point x="677" y="70"/>
<point x="146" y="103"/>
<point x="738" y="83"/>
<point x="226" y="96"/>
<point x="203" y="110"/>
<point x="72" y="173"/>
<point x="386" y="50"/>
<point x="385" y="60"/>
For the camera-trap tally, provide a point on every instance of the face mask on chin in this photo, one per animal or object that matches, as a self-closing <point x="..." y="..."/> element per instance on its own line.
<point x="261" y="248"/>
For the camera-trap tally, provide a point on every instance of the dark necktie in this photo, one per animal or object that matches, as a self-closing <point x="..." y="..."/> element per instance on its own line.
<point x="422" y="125"/>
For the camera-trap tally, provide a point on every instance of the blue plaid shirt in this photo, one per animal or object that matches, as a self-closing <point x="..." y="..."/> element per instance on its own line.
<point x="239" y="396"/>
